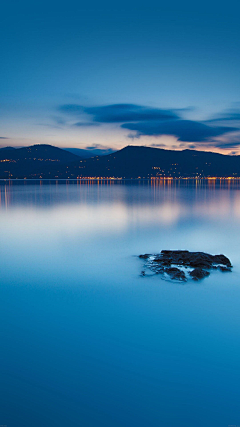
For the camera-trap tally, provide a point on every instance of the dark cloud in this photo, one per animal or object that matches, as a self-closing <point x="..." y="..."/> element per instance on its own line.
<point x="148" y="121"/>
<point x="184" y="130"/>
<point x="120" y="113"/>
<point x="4" y="137"/>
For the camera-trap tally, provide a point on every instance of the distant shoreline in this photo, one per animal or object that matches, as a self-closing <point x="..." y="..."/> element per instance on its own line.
<point x="125" y="179"/>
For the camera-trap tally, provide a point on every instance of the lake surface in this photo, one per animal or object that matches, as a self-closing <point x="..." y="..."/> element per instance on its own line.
<point x="85" y="341"/>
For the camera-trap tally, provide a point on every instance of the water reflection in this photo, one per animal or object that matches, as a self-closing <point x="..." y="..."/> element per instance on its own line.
<point x="84" y="339"/>
<point x="49" y="217"/>
<point x="119" y="203"/>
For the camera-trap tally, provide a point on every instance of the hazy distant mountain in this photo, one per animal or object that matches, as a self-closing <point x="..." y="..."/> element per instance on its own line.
<point x="89" y="153"/>
<point x="130" y="162"/>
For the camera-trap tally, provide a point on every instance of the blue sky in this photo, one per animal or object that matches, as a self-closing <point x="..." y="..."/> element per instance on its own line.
<point x="80" y="74"/>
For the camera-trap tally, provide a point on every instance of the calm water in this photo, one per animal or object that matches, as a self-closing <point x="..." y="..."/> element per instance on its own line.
<point x="85" y="341"/>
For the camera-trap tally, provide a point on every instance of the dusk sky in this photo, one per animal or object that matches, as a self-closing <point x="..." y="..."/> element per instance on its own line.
<point x="92" y="74"/>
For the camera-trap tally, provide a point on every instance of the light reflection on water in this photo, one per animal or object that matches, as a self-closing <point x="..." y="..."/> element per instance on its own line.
<point x="86" y="340"/>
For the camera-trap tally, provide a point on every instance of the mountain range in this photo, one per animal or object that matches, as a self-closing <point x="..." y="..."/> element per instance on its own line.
<point x="48" y="162"/>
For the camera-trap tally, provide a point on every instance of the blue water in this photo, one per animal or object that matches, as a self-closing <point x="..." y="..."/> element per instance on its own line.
<point x="86" y="341"/>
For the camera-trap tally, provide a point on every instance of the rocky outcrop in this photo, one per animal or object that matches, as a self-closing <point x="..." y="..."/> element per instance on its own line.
<point x="181" y="265"/>
<point x="198" y="273"/>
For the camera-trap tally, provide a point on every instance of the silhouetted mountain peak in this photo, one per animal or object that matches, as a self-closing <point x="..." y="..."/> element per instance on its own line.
<point x="7" y="148"/>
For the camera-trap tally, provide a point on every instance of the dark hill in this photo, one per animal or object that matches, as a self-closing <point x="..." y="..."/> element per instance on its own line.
<point x="145" y="162"/>
<point x="130" y="162"/>
<point x="42" y="152"/>
<point x="32" y="161"/>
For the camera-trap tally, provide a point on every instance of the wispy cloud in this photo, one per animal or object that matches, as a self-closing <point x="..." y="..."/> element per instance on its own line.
<point x="85" y="124"/>
<point x="96" y="147"/>
<point x="99" y="148"/>
<point x="230" y="115"/>
<point x="158" y="145"/>
<point x="71" y="108"/>
<point x="229" y="145"/>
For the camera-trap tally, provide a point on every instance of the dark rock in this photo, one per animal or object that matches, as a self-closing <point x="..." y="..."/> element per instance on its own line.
<point x="168" y="260"/>
<point x="175" y="273"/>
<point x="200" y="263"/>
<point x="194" y="259"/>
<point x="199" y="273"/>
<point x="224" y="269"/>
<point x="166" y="263"/>
<point x="222" y="259"/>
<point x="145" y="256"/>
<point x="159" y="271"/>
